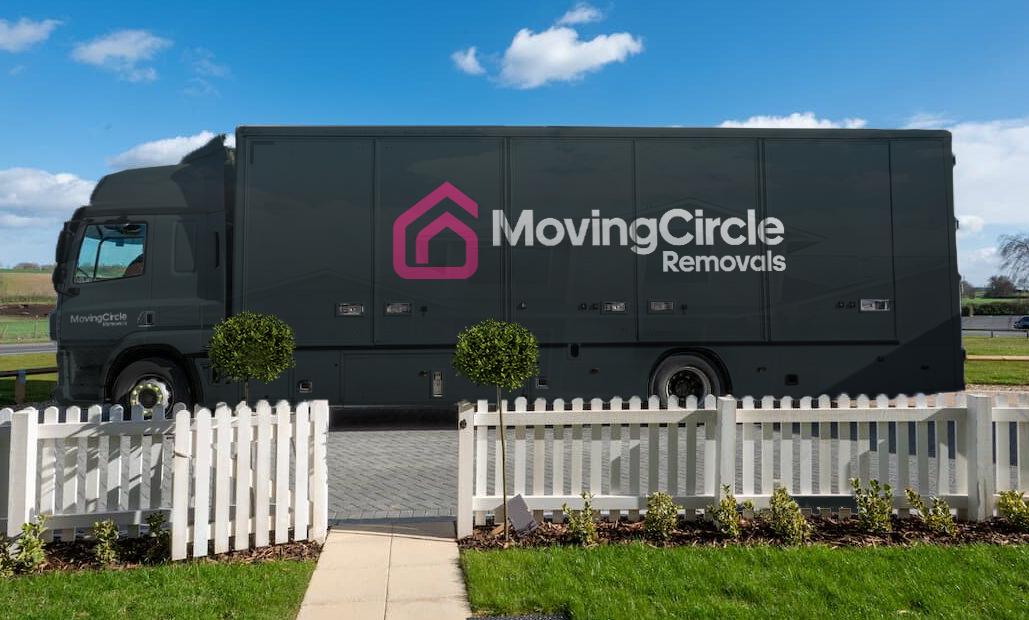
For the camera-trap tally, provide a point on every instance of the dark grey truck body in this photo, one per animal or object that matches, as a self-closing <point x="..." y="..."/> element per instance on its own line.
<point x="857" y="293"/>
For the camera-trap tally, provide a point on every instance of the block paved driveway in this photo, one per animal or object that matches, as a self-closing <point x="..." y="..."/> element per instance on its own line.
<point x="403" y="469"/>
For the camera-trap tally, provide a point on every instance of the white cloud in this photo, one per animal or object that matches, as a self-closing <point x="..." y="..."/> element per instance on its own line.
<point x="8" y="220"/>
<point x="16" y="70"/>
<point x="163" y="152"/>
<point x="23" y="34"/>
<point x="926" y="120"/>
<point x="557" y="54"/>
<point x="797" y="120"/>
<point x="122" y="52"/>
<point x="969" y="225"/>
<point x="33" y="193"/>
<point x="203" y="64"/>
<point x="467" y="62"/>
<point x="582" y="13"/>
<point x="990" y="180"/>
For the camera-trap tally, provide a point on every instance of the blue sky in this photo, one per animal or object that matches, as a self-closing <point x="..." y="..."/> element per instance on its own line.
<point x="87" y="91"/>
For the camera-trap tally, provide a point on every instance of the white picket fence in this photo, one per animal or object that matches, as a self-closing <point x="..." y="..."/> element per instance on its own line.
<point x="817" y="446"/>
<point x="234" y="473"/>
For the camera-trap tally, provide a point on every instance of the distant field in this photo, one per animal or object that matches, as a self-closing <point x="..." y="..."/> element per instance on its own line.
<point x="978" y="301"/>
<point x="26" y="287"/>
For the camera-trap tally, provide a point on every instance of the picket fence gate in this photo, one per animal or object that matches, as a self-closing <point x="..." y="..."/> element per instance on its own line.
<point x="695" y="449"/>
<point x="238" y="474"/>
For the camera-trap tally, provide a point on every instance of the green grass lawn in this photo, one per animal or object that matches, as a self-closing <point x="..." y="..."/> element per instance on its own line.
<point x="37" y="387"/>
<point x="637" y="581"/>
<point x="997" y="373"/>
<point x="15" y="330"/>
<point x="188" y="590"/>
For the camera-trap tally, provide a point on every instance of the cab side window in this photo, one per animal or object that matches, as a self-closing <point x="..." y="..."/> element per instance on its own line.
<point x="111" y="251"/>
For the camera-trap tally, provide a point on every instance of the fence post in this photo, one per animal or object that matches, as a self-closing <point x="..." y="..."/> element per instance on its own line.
<point x="726" y="466"/>
<point x="320" y="479"/>
<point x="465" y="456"/>
<point x="21" y="499"/>
<point x="19" y="388"/>
<point x="980" y="457"/>
<point x="180" y="485"/>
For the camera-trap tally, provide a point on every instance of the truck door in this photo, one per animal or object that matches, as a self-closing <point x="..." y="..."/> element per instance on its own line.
<point x="107" y="294"/>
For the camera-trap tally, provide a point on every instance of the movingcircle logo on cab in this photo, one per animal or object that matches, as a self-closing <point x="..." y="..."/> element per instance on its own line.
<point x="107" y="319"/>
<point x="645" y="232"/>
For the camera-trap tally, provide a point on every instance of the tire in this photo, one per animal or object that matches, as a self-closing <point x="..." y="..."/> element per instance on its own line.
<point x="151" y="382"/>
<point x="687" y="375"/>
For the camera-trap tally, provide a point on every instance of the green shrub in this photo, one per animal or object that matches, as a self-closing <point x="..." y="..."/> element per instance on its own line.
<point x="159" y="540"/>
<point x="874" y="509"/>
<point x="6" y="563"/>
<point x="106" y="534"/>
<point x="662" y="516"/>
<point x="786" y="520"/>
<point x="726" y="515"/>
<point x="31" y="554"/>
<point x="938" y="518"/>
<point x="1013" y="507"/>
<point x="251" y="346"/>
<point x="581" y="526"/>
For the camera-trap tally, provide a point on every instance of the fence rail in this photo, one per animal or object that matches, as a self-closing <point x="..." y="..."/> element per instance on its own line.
<point x="228" y="474"/>
<point x="812" y="447"/>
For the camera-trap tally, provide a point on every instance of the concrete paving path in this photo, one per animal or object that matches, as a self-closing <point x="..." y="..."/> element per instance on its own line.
<point x="388" y="571"/>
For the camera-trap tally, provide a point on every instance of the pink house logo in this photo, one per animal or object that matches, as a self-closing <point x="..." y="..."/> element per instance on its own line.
<point x="421" y="252"/>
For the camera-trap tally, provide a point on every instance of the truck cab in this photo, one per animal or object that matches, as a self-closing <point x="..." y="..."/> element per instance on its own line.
<point x="141" y="281"/>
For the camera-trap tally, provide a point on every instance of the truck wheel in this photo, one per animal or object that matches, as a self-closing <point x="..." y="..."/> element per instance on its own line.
<point x="686" y="375"/>
<point x="151" y="382"/>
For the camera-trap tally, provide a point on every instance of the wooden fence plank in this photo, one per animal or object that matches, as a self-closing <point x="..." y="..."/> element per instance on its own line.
<point x="244" y="488"/>
<point x="882" y="448"/>
<point x="806" y="458"/>
<point x="202" y="483"/>
<point x="282" y="436"/>
<point x="653" y="454"/>
<point x="539" y="454"/>
<point x="180" y="485"/>
<point x="922" y="450"/>
<point x="634" y="467"/>
<point x="48" y="472"/>
<point x="824" y="457"/>
<point x="70" y="479"/>
<point x="557" y="473"/>
<point x="222" y="477"/>
<point x="767" y="457"/>
<point x="320" y="505"/>
<point x="481" y="470"/>
<point x="302" y="435"/>
<point x="519" y="462"/>
<point x="262" y="475"/>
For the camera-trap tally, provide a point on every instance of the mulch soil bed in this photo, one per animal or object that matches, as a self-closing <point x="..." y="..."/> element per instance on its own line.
<point x="830" y="531"/>
<point x="78" y="555"/>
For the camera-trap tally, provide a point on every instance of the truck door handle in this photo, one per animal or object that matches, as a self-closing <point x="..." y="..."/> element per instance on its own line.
<point x="146" y="318"/>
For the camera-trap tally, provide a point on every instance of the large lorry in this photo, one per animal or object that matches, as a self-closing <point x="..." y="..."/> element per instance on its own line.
<point x="664" y="261"/>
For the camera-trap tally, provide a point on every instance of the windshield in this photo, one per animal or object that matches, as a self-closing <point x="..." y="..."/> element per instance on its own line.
<point x="111" y="251"/>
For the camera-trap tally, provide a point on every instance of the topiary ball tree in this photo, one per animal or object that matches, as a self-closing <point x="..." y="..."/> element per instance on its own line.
<point x="251" y="346"/>
<point x="499" y="354"/>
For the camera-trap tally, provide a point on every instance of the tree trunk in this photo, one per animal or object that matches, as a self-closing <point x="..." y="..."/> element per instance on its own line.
<point x="503" y="461"/>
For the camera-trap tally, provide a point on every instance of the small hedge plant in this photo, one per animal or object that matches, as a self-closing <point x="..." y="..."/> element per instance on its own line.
<point x="937" y="518"/>
<point x="31" y="554"/>
<point x="6" y="562"/>
<point x="1013" y="508"/>
<point x="661" y="518"/>
<point x="106" y="535"/>
<point x="159" y="548"/>
<point x="786" y="520"/>
<point x="874" y="508"/>
<point x="581" y="526"/>
<point x="726" y="515"/>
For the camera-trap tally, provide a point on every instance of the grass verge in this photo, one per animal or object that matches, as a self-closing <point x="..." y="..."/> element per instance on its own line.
<point x="17" y="330"/>
<point x="996" y="373"/>
<point x="638" y="581"/>
<point x="271" y="589"/>
<point x="37" y="387"/>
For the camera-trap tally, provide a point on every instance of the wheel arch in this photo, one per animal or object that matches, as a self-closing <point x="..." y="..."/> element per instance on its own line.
<point x="707" y="354"/>
<point x="135" y="354"/>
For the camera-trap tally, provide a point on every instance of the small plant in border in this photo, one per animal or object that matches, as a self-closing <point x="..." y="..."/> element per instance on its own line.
<point x="106" y="534"/>
<point x="31" y="555"/>
<point x="874" y="510"/>
<point x="581" y="526"/>
<point x="1013" y="507"/>
<point x="726" y="515"/>
<point x="662" y="516"/>
<point x="159" y="548"/>
<point x="938" y="518"/>
<point x="6" y="563"/>
<point x="786" y="520"/>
